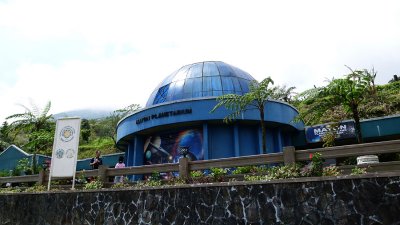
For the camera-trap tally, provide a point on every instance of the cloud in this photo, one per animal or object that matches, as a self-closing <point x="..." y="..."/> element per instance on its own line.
<point x="81" y="54"/>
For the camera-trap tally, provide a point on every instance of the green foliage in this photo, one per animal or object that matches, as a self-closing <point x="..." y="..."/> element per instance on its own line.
<point x="94" y="184"/>
<point x="85" y="130"/>
<point x="4" y="173"/>
<point x="24" y="165"/>
<point x="255" y="177"/>
<point x="36" y="188"/>
<point x="10" y="190"/>
<point x="120" y="185"/>
<point x="357" y="171"/>
<point x="105" y="145"/>
<point x="248" y="169"/>
<point x="243" y="170"/>
<point x="196" y="173"/>
<point x="256" y="98"/>
<point x="218" y="173"/>
<point x="331" y="171"/>
<point x="314" y="168"/>
<point x="284" y="172"/>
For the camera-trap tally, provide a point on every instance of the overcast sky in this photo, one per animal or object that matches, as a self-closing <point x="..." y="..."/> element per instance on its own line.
<point x="110" y="54"/>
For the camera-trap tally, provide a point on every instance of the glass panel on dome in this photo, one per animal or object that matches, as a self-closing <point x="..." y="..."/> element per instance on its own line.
<point x="216" y="83"/>
<point x="197" y="87"/>
<point x="181" y="74"/>
<point x="245" y="85"/>
<point x="188" y="87"/>
<point x="169" y="78"/>
<point x="229" y="92"/>
<point x="236" y="84"/>
<point x="227" y="84"/>
<point x="171" y="91"/>
<point x="217" y="93"/>
<point x="196" y="70"/>
<point x="210" y="69"/>
<point x="224" y="69"/>
<point x="161" y="95"/>
<point x="178" y="90"/>
<point x="207" y="93"/>
<point x="197" y="94"/>
<point x="207" y="84"/>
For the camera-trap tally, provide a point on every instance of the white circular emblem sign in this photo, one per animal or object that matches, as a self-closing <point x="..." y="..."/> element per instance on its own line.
<point x="67" y="133"/>
<point x="59" y="153"/>
<point x="70" y="153"/>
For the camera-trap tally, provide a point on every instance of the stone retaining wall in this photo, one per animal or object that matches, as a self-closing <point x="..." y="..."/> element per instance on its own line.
<point x="357" y="200"/>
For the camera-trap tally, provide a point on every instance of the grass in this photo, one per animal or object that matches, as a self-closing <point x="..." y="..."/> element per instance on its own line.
<point x="105" y="145"/>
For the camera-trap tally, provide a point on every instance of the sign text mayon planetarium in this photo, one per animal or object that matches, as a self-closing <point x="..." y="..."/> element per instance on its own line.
<point x="164" y="114"/>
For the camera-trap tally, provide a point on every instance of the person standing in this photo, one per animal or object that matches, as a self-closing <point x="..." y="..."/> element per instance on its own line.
<point x="120" y="164"/>
<point x="96" y="161"/>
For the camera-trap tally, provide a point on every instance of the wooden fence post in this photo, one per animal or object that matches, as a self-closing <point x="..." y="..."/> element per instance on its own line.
<point x="102" y="173"/>
<point x="183" y="168"/>
<point x="41" y="178"/>
<point x="289" y="155"/>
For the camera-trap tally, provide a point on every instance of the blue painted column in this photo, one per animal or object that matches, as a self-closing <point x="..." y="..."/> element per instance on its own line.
<point x="138" y="155"/>
<point x="236" y="140"/>
<point x="279" y="141"/>
<point x="260" y="150"/>
<point x="205" y="141"/>
<point x="129" y="154"/>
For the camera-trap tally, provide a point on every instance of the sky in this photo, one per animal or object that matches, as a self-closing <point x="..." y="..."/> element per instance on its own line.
<point x="110" y="54"/>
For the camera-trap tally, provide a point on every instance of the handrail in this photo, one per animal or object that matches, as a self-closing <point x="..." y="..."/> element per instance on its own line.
<point x="289" y="155"/>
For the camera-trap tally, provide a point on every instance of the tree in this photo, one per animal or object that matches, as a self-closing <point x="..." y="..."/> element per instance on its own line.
<point x="256" y="98"/>
<point x="347" y="93"/>
<point x="111" y="122"/>
<point x="5" y="139"/>
<point x="37" y="125"/>
<point x="85" y="130"/>
<point x="283" y="93"/>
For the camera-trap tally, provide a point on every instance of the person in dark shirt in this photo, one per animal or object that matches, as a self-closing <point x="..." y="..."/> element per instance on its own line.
<point x="96" y="161"/>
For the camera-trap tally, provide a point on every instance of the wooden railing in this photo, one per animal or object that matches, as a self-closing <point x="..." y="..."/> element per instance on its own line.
<point x="289" y="155"/>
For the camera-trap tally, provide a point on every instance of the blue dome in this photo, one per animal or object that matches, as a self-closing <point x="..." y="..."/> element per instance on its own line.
<point x="201" y="80"/>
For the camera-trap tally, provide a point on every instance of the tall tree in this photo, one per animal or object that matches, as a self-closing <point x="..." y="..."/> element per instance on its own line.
<point x="85" y="130"/>
<point x="37" y="125"/>
<point x="283" y="93"/>
<point x="113" y="119"/>
<point x="346" y="93"/>
<point x="256" y="98"/>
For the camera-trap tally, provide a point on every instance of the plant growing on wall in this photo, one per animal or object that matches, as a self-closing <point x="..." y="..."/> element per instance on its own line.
<point x="256" y="98"/>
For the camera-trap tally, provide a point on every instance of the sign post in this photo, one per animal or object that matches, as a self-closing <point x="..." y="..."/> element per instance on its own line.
<point x="65" y="149"/>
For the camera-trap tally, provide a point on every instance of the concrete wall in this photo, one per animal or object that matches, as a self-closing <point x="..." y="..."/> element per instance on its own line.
<point x="358" y="200"/>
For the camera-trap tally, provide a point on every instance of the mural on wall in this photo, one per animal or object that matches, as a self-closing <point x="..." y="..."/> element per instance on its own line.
<point x="164" y="147"/>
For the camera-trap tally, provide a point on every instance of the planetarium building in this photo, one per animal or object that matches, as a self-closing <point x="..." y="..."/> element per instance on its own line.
<point x="177" y="114"/>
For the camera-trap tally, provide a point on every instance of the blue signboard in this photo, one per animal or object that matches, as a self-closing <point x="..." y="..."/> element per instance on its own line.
<point x="315" y="133"/>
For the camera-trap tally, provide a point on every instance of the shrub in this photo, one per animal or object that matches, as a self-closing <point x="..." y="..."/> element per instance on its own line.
<point x="357" y="171"/>
<point x="10" y="190"/>
<point x="255" y="177"/>
<point x="314" y="168"/>
<point x="196" y="173"/>
<point x="284" y="172"/>
<point x="218" y="173"/>
<point x="36" y="188"/>
<point x="94" y="184"/>
<point x="331" y="171"/>
<point x="245" y="169"/>
<point x="120" y="185"/>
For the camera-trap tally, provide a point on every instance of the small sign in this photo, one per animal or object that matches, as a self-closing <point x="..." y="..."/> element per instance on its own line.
<point x="316" y="133"/>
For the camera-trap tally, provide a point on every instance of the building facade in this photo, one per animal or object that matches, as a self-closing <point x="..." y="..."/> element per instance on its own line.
<point x="177" y="115"/>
